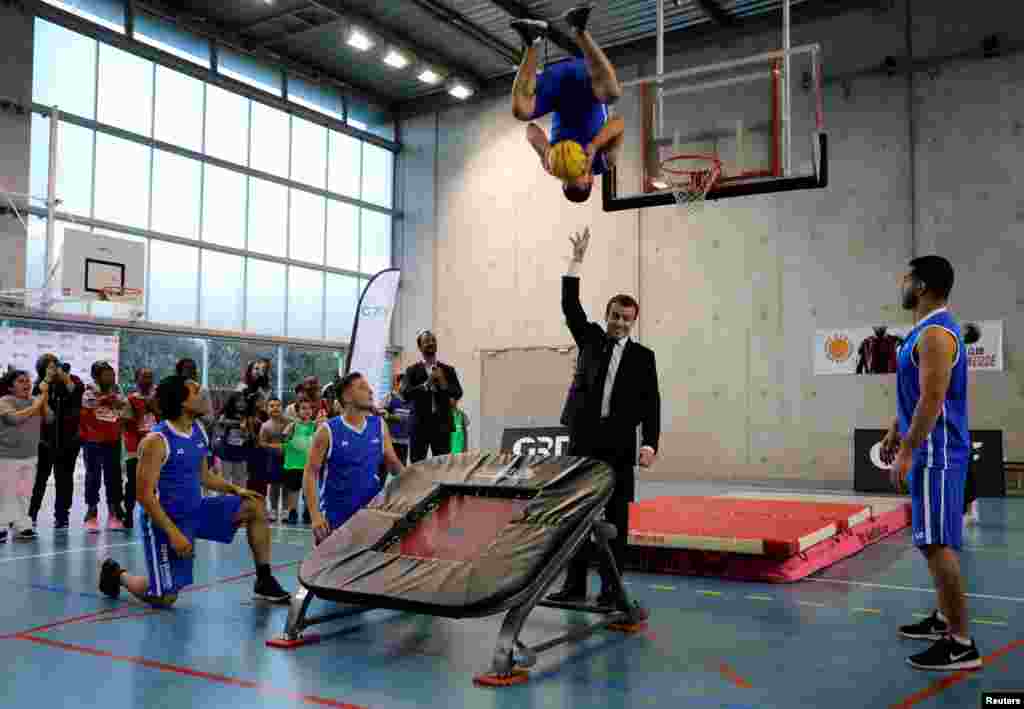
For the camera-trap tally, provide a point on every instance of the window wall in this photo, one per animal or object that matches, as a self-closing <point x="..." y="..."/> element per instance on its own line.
<point x="255" y="219"/>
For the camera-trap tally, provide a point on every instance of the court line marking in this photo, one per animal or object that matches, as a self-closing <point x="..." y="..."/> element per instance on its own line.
<point x="4" y="560"/>
<point x="191" y="672"/>
<point x="946" y="682"/>
<point x="914" y="588"/>
<point x="873" y="611"/>
<point x="760" y="598"/>
<point x="713" y="594"/>
<point x="813" y="604"/>
<point x="129" y="604"/>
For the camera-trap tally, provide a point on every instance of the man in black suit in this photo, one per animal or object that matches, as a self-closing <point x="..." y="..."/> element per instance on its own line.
<point x="614" y="390"/>
<point x="430" y="386"/>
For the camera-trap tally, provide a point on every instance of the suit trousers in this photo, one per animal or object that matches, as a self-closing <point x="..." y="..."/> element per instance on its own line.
<point x="423" y="437"/>
<point x="616" y="446"/>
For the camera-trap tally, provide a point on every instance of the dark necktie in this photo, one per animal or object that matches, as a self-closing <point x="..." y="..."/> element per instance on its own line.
<point x="602" y="371"/>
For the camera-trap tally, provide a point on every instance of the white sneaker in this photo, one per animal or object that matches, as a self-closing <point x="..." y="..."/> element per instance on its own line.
<point x="972" y="514"/>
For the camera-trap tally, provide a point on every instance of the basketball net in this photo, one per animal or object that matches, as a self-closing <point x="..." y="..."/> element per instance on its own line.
<point x="691" y="178"/>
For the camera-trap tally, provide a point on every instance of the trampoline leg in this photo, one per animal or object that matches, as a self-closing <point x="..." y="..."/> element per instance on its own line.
<point x="296" y="622"/>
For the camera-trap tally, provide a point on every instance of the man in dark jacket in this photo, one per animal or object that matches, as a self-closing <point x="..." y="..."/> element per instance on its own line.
<point x="614" y="390"/>
<point x="60" y="443"/>
<point x="430" y="386"/>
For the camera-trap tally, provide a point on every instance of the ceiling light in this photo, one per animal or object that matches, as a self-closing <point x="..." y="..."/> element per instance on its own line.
<point x="396" y="59"/>
<point x="358" y="39"/>
<point x="428" y="76"/>
<point x="460" y="91"/>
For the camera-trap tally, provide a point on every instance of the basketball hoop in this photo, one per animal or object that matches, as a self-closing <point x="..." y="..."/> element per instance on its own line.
<point x="691" y="178"/>
<point x="120" y="295"/>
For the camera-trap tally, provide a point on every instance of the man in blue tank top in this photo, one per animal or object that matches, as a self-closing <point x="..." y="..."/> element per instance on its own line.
<point x="577" y="92"/>
<point x="343" y="468"/>
<point x="172" y="470"/>
<point x="929" y="441"/>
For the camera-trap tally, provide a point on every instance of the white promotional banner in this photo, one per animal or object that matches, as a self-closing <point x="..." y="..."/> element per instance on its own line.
<point x="872" y="350"/>
<point x="371" y="332"/>
<point x="20" y="348"/>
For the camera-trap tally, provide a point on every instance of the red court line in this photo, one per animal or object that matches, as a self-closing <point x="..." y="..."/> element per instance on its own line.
<point x="105" y="611"/>
<point x="946" y="682"/>
<point x="136" y="614"/>
<point x="190" y="672"/>
<point x="731" y="675"/>
<point x="59" y="623"/>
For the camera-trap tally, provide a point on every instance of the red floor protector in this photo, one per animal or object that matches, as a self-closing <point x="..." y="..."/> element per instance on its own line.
<point x="489" y="680"/>
<point x="285" y="644"/>
<point x="629" y="628"/>
<point x="771" y="540"/>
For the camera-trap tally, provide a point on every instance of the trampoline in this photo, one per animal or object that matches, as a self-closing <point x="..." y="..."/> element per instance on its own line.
<point x="469" y="536"/>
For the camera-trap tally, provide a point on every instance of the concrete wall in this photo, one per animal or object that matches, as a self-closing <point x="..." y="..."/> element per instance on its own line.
<point x="731" y="298"/>
<point x="15" y="86"/>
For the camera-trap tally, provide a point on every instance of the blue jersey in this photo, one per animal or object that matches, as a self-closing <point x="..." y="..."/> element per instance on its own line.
<point x="566" y="90"/>
<point x="949" y="443"/>
<point x="180" y="477"/>
<point x="350" y="476"/>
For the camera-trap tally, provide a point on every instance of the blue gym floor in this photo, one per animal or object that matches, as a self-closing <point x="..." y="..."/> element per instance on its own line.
<point x="829" y="641"/>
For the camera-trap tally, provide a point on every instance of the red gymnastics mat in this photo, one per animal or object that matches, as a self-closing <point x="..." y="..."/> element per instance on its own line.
<point x="742" y="536"/>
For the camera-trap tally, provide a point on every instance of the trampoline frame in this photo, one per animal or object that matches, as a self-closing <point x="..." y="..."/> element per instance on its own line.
<point x="512" y="658"/>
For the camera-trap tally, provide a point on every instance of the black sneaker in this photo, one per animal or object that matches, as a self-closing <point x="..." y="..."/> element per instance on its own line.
<point x="269" y="589"/>
<point x="26" y="535"/>
<point x="947" y="654"/>
<point x="306" y="518"/>
<point x="931" y="628"/>
<point x="293" y="517"/>
<point x="530" y="30"/>
<point x="578" y="16"/>
<point x="3" y="536"/>
<point x="61" y="525"/>
<point x="110" y="579"/>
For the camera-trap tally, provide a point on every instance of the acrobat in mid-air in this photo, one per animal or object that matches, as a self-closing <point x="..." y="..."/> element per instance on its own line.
<point x="584" y="140"/>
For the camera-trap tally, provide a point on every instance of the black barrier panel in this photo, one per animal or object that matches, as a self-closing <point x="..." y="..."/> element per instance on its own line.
<point x="536" y="441"/>
<point x="987" y="468"/>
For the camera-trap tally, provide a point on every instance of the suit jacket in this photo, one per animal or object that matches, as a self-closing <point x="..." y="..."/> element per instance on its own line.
<point x="423" y="420"/>
<point x="635" y="399"/>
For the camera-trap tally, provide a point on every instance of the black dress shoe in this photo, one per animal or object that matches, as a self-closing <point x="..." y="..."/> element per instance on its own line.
<point x="569" y="595"/>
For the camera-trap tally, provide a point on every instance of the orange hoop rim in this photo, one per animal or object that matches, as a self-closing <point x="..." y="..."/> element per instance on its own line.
<point x="108" y="293"/>
<point x="715" y="164"/>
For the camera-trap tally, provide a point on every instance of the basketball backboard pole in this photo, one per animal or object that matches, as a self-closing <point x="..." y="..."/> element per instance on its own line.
<point x="51" y="187"/>
<point x="660" y="69"/>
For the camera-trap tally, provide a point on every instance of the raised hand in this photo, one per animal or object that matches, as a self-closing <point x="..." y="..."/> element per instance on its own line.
<point x="579" y="244"/>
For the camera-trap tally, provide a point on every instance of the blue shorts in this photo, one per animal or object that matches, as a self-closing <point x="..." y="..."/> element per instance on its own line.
<point x="214" y="521"/>
<point x="937" y="505"/>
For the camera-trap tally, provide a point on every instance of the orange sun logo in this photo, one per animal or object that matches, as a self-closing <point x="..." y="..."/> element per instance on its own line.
<point x="837" y="348"/>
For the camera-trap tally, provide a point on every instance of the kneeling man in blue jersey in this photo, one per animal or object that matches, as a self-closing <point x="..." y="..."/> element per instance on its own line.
<point x="577" y="93"/>
<point x="346" y="454"/>
<point x="171" y="472"/>
<point x="930" y="442"/>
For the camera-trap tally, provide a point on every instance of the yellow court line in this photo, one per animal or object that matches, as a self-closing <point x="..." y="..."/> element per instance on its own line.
<point x="709" y="593"/>
<point x="985" y="621"/>
<point x="657" y="587"/>
<point x="874" y="611"/>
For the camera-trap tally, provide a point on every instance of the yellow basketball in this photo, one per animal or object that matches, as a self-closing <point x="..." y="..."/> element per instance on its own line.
<point x="567" y="160"/>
